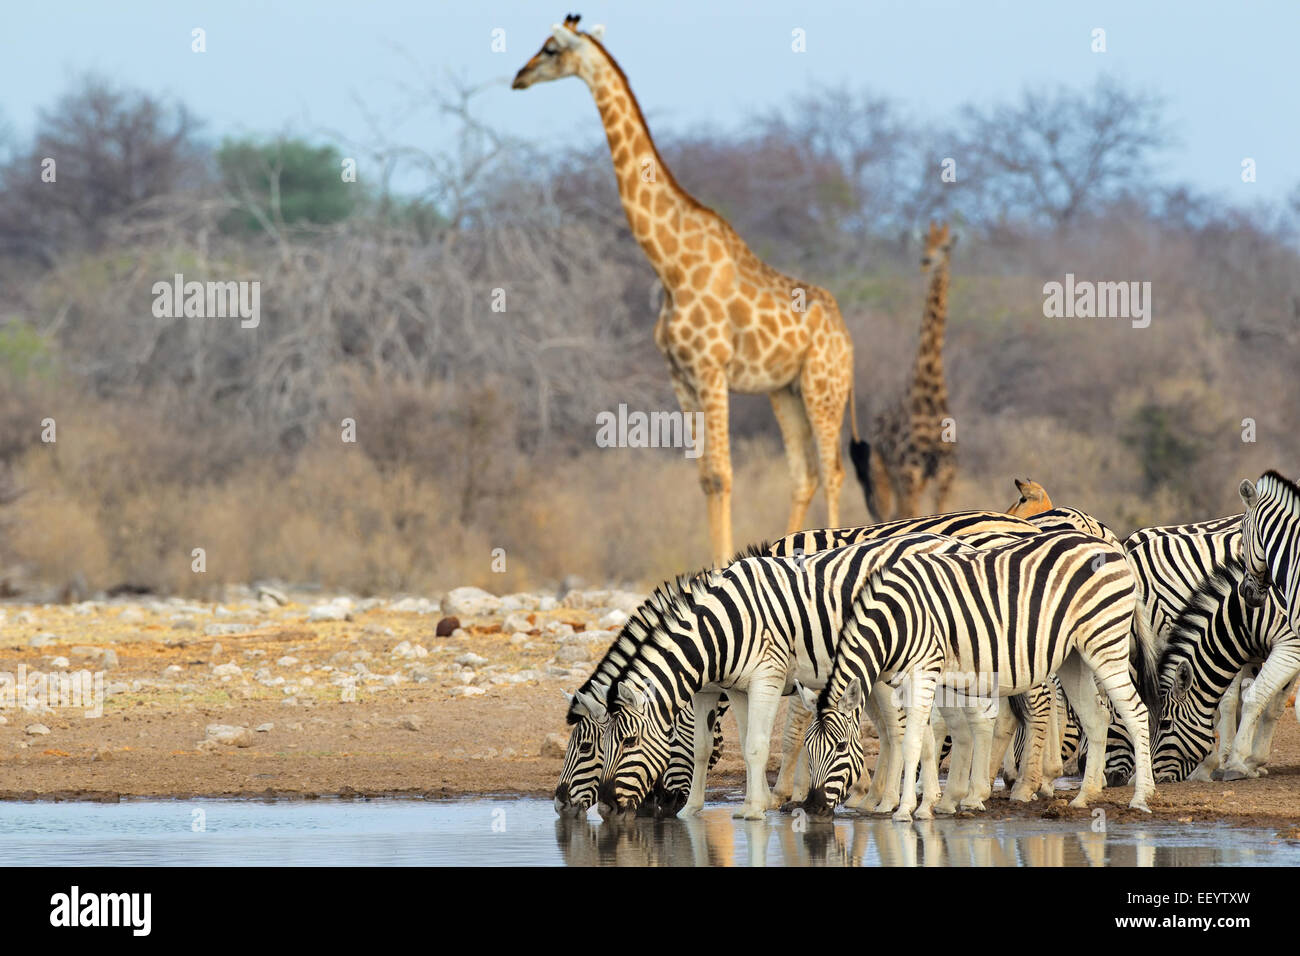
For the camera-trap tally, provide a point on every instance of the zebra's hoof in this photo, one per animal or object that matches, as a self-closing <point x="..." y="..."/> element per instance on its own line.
<point x="925" y="813"/>
<point x="945" y="809"/>
<point x="1217" y="775"/>
<point x="749" y="813"/>
<point x="1234" y="775"/>
<point x="902" y="816"/>
<point x="790" y="806"/>
<point x="1261" y="771"/>
<point x="973" y="806"/>
<point x="690" y="811"/>
<point x="1137" y="804"/>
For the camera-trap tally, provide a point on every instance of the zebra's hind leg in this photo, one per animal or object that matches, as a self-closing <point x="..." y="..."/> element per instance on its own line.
<point x="981" y="785"/>
<point x="1225" y="726"/>
<point x="929" y="775"/>
<point x="959" y="759"/>
<point x="1053" y="765"/>
<point x="1114" y="678"/>
<point x="1262" y="745"/>
<point x="1030" y="772"/>
<point x="1081" y="692"/>
<point x="1004" y="729"/>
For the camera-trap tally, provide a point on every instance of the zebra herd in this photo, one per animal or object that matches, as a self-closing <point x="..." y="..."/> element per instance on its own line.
<point x="1136" y="651"/>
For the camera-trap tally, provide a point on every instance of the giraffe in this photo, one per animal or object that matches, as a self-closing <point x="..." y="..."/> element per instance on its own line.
<point x="909" y="450"/>
<point x="729" y="322"/>
<point x="1033" y="499"/>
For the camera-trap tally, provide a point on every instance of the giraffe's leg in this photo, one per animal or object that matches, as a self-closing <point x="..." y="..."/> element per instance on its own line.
<point x="797" y="436"/>
<point x="715" y="463"/>
<point x="882" y="488"/>
<point x="824" y="407"/>
<point x="942" y="487"/>
<point x="909" y="491"/>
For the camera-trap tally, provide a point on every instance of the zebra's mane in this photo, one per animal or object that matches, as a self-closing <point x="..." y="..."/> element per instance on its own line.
<point x="667" y="604"/>
<point x="863" y="595"/>
<point x="1280" y="486"/>
<point x="1189" y="627"/>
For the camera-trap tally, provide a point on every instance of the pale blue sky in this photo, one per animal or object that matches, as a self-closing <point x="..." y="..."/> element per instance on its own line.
<point x="1228" y="70"/>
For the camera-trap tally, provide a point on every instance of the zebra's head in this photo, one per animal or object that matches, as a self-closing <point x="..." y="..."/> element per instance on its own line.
<point x="1255" y="582"/>
<point x="835" y="755"/>
<point x="1186" y="731"/>
<point x="580" y="777"/>
<point x="636" y="743"/>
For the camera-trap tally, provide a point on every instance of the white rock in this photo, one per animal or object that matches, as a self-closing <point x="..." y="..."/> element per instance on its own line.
<point x="547" y="603"/>
<point x="263" y="728"/>
<point x="519" y="638"/>
<point x="286" y="661"/>
<point x="554" y="745"/>
<point x="173" y="670"/>
<point x="414" y="605"/>
<point x="572" y="653"/>
<point x="470" y="602"/>
<point x="227" y="670"/>
<point x="131" y="615"/>
<point x="37" y="729"/>
<point x="41" y="640"/>
<point x="557" y="629"/>
<point x="110" y="659"/>
<point x="327" y="612"/>
<point x="59" y="662"/>
<point x="517" y="622"/>
<point x="229" y="734"/>
<point x="471" y="660"/>
<point x="613" y="620"/>
<point x="274" y="595"/>
<point x="467" y="691"/>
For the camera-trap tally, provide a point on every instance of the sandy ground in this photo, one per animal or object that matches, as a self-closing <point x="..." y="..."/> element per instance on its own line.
<point x="375" y="704"/>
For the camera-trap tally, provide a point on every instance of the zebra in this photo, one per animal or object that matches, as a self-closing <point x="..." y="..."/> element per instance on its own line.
<point x="977" y="528"/>
<point x="580" y="775"/>
<point x="576" y="789"/>
<point x="1171" y="562"/>
<point x="749" y="629"/>
<point x="1270" y="531"/>
<point x="1214" y="637"/>
<point x="1062" y="602"/>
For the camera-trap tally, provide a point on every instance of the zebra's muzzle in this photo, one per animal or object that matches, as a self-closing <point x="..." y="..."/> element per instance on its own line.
<point x="817" y="806"/>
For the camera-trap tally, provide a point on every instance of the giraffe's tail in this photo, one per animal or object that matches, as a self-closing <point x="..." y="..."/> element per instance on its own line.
<point x="860" y="453"/>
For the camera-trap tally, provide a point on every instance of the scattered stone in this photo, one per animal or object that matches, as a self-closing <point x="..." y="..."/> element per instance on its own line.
<point x="286" y="661"/>
<point x="173" y="670"/>
<point x="227" y="670"/>
<point x="447" y="626"/>
<point x="412" y="605"/>
<point x="37" y="730"/>
<point x="264" y="728"/>
<point x="460" y="634"/>
<point x="272" y="594"/>
<point x="517" y="622"/>
<point x="471" y="660"/>
<point x="613" y="620"/>
<point x="110" y="659"/>
<point x="412" y="723"/>
<point x="467" y="691"/>
<point x="572" y="653"/>
<point x="547" y="603"/>
<point x="131" y="615"/>
<point x="557" y="629"/>
<point x="519" y="638"/>
<point x="554" y="745"/>
<point x="471" y="602"/>
<point x="220" y="630"/>
<point x="41" y="640"/>
<point x="59" y="662"/>
<point x="85" y="652"/>
<point x="333" y="611"/>
<point x="290" y="702"/>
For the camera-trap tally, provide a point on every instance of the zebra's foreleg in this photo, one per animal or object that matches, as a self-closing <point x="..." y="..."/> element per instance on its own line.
<point x="1004" y="730"/>
<point x="882" y="796"/>
<point x="1053" y="765"/>
<point x="929" y="775"/>
<point x="792" y="779"/>
<point x="918" y="718"/>
<point x="702" y="749"/>
<point x="1271" y="683"/>
<point x="1225" y="726"/>
<point x="764" y="697"/>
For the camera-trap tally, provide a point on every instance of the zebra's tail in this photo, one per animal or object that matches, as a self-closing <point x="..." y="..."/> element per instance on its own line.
<point x="860" y="454"/>
<point x="1019" y="704"/>
<point x="1144" y="655"/>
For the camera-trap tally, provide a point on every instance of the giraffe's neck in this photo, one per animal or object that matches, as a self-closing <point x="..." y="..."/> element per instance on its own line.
<point x="927" y="373"/>
<point x="652" y="200"/>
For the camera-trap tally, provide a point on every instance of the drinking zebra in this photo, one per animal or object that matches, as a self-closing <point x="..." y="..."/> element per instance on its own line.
<point x="1061" y="602"/>
<point x="750" y="629"/>
<point x="1215" y="636"/>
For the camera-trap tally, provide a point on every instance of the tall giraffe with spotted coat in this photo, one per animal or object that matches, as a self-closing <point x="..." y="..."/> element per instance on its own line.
<point x="729" y="321"/>
<point x="908" y="449"/>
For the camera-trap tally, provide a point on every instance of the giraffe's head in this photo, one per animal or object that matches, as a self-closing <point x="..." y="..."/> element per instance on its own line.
<point x="938" y="243"/>
<point x="1033" y="500"/>
<point x="565" y="53"/>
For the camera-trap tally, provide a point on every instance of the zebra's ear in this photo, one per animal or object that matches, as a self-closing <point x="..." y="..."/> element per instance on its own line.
<point x="631" y="698"/>
<point x="1249" y="496"/>
<point x="568" y="698"/>
<point x="592" y="703"/>
<point x="1182" y="679"/>
<point x="806" y="697"/>
<point x="851" y="700"/>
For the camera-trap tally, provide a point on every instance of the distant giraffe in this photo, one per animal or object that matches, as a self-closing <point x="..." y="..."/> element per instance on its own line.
<point x="1033" y="500"/>
<point x="729" y="321"/>
<point x="907" y="449"/>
